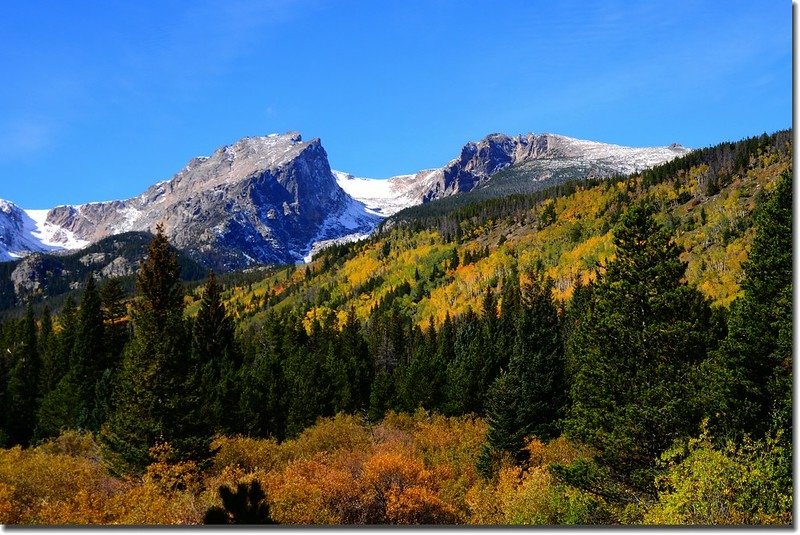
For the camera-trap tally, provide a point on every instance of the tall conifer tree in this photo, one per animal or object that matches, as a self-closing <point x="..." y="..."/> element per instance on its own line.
<point x="22" y="391"/>
<point x="636" y="357"/>
<point x="157" y="398"/>
<point x="758" y="350"/>
<point x="89" y="355"/>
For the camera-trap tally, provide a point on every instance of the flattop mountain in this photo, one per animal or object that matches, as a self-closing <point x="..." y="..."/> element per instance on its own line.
<point x="274" y="199"/>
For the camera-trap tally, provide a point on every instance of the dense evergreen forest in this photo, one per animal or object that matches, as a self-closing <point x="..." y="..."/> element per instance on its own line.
<point x="451" y="369"/>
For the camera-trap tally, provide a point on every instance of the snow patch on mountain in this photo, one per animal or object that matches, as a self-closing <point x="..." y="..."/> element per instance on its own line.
<point x="26" y="231"/>
<point x="50" y="235"/>
<point x="381" y="197"/>
<point x="352" y="222"/>
<point x="626" y="159"/>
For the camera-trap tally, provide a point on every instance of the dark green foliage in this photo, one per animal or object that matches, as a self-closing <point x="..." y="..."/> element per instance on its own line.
<point x="351" y="368"/>
<point x="115" y="311"/>
<point x="528" y="400"/>
<point x="60" y="409"/>
<point x="157" y="397"/>
<point x="246" y="506"/>
<point x="758" y="349"/>
<point x="52" y="370"/>
<point x="263" y="401"/>
<point x="89" y="356"/>
<point x="22" y="391"/>
<point x="636" y="358"/>
<point x="420" y="382"/>
<point x="216" y="358"/>
<point x="307" y="374"/>
<point x="466" y="352"/>
<point x="381" y="395"/>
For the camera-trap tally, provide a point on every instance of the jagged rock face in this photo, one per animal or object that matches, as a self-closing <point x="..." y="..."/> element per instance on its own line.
<point x="545" y="153"/>
<point x="266" y="200"/>
<point x="33" y="271"/>
<point x="260" y="200"/>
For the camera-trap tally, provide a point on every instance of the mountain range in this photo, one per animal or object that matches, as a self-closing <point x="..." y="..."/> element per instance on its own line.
<point x="275" y="200"/>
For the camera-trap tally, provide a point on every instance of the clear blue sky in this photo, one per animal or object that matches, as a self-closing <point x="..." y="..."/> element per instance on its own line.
<point x="99" y="100"/>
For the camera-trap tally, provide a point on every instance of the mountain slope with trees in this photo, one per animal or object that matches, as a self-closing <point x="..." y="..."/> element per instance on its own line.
<point x="611" y="352"/>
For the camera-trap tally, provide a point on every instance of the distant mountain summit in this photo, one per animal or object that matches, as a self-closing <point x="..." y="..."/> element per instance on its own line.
<point x="261" y="200"/>
<point x="274" y="199"/>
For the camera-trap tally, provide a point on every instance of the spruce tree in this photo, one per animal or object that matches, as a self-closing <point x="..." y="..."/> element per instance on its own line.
<point x="22" y="391"/>
<point x="115" y="314"/>
<point x="216" y="357"/>
<point x="636" y="357"/>
<point x="758" y="349"/>
<point x="157" y="397"/>
<point x="353" y="394"/>
<point x="88" y="355"/>
<point x="528" y="400"/>
<point x="50" y="374"/>
<point x="263" y="401"/>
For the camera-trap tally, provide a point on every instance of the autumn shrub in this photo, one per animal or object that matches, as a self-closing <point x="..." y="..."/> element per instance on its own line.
<point x="7" y="510"/>
<point x="296" y="494"/>
<point x="342" y="432"/>
<point x="74" y="443"/>
<point x="34" y="481"/>
<point x="418" y="506"/>
<point x="167" y="494"/>
<point x="150" y="504"/>
<point x="248" y="454"/>
<point x="531" y="495"/>
<point x="730" y="485"/>
<point x="451" y="446"/>
<point x="556" y="451"/>
<point x="403" y="421"/>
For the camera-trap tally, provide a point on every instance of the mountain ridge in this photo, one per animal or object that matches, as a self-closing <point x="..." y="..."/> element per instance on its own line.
<point x="275" y="199"/>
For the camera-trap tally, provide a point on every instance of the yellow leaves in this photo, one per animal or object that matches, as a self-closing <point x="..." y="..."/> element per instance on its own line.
<point x="167" y="475"/>
<point x="296" y="496"/>
<point x="530" y="496"/>
<point x="32" y="479"/>
<point x="8" y="514"/>
<point x="557" y="451"/>
<point x="320" y="315"/>
<point x="148" y="504"/>
<point x="245" y="453"/>
<point x="343" y="432"/>
<point x="360" y="269"/>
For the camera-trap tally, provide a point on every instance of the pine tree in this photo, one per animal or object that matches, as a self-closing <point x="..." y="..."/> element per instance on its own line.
<point x="88" y="355"/>
<point x="529" y="399"/>
<point x="353" y="393"/>
<point x="263" y="401"/>
<point x="157" y="397"/>
<point x="217" y="359"/>
<point x="50" y="374"/>
<point x="636" y="357"/>
<point x="115" y="316"/>
<point x="22" y="391"/>
<point x="758" y="349"/>
<point x="467" y="370"/>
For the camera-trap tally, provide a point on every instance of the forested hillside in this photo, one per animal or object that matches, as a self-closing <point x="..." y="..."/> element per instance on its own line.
<point x="613" y="351"/>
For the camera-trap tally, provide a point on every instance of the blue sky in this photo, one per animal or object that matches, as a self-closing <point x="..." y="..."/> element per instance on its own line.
<point x="99" y="100"/>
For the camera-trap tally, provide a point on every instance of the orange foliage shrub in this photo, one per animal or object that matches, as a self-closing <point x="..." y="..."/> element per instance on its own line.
<point x="418" y="505"/>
